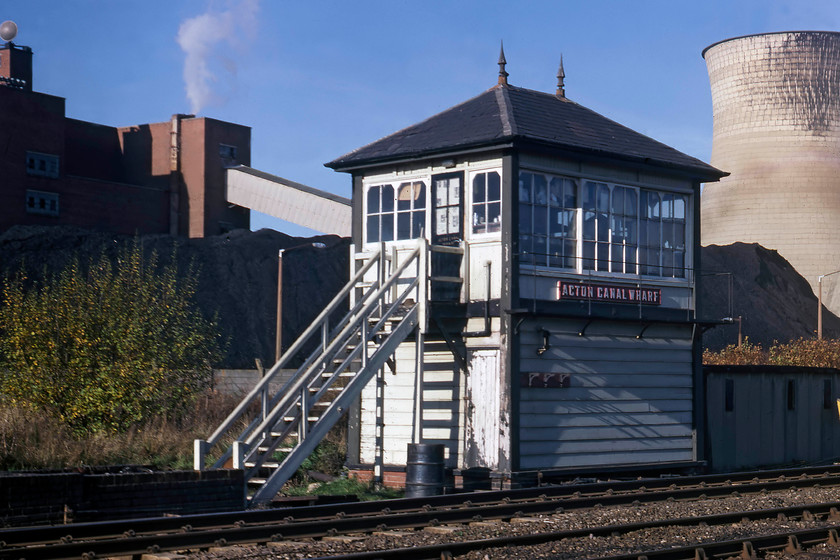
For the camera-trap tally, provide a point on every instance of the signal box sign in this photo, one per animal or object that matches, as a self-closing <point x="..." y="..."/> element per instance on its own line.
<point x="608" y="293"/>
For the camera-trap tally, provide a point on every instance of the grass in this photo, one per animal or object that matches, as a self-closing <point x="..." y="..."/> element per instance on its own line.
<point x="33" y="440"/>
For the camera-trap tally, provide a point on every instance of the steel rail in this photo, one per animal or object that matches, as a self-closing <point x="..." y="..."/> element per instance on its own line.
<point x="449" y="508"/>
<point x="458" y="548"/>
<point x="263" y="533"/>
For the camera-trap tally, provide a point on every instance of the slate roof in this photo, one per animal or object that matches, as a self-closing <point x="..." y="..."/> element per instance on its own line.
<point x="509" y="114"/>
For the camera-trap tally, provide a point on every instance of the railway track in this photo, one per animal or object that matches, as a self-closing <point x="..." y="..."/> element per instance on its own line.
<point x="134" y="537"/>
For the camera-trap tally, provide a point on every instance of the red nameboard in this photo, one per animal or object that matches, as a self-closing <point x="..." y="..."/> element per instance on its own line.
<point x="608" y="293"/>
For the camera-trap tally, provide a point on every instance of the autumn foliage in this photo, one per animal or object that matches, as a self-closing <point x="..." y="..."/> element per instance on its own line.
<point x="104" y="345"/>
<point x="803" y="352"/>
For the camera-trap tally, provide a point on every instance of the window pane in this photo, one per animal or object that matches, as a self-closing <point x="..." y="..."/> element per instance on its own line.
<point x="631" y="205"/>
<point x="525" y="180"/>
<point x="555" y="250"/>
<point x="603" y="228"/>
<point x="525" y="222"/>
<point x="388" y="227"/>
<point x="617" y="258"/>
<point x="618" y="201"/>
<point x="540" y="188"/>
<point x="373" y="229"/>
<point x="589" y="190"/>
<point x="494" y="186"/>
<point x="526" y="249"/>
<point x="603" y="197"/>
<point x="494" y="216"/>
<point x="419" y="224"/>
<point x="540" y="219"/>
<point x="653" y="205"/>
<point x="556" y="192"/>
<point x="667" y="206"/>
<point x="479" y="188"/>
<point x="479" y="219"/>
<point x="420" y="195"/>
<point x="679" y="264"/>
<point x="589" y="225"/>
<point x="405" y="194"/>
<point x="679" y="207"/>
<point x="570" y="248"/>
<point x="602" y="256"/>
<point x="404" y="225"/>
<point x="541" y="250"/>
<point x="373" y="200"/>
<point x="570" y="223"/>
<point x="387" y="198"/>
<point x="588" y="255"/>
<point x="569" y="194"/>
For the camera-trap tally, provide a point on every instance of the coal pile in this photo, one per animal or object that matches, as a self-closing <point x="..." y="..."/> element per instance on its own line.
<point x="237" y="276"/>
<point x="774" y="301"/>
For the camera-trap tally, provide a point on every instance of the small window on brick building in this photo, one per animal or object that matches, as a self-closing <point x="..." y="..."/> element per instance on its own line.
<point x="227" y="152"/>
<point x="43" y="203"/>
<point x="44" y="165"/>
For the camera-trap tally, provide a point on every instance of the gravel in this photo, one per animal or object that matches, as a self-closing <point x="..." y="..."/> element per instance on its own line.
<point x="590" y="547"/>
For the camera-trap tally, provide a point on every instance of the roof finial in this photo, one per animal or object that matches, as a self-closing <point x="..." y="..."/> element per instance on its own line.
<point x="502" y="74"/>
<point x="561" y="75"/>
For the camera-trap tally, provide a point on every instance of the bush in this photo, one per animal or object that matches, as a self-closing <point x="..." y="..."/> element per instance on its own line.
<point x="803" y="352"/>
<point x="107" y="345"/>
<point x="734" y="355"/>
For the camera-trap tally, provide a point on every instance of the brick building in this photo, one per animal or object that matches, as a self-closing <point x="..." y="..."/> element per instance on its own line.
<point x="166" y="177"/>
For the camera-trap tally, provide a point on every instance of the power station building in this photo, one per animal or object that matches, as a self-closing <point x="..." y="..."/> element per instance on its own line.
<point x="167" y="177"/>
<point x="776" y="106"/>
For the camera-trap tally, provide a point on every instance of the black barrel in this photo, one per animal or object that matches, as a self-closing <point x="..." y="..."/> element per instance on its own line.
<point x="424" y="471"/>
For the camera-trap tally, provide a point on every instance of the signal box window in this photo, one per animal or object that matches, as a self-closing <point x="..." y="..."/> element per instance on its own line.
<point x="487" y="202"/>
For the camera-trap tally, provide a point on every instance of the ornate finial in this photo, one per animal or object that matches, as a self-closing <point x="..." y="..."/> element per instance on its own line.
<point x="561" y="75"/>
<point x="502" y="74"/>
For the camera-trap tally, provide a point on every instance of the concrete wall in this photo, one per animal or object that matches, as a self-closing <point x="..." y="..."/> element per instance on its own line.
<point x="777" y="131"/>
<point x="762" y="416"/>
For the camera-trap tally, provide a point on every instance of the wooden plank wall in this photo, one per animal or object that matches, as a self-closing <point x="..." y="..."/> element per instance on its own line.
<point x="628" y="399"/>
<point x="443" y="397"/>
<point x="763" y="426"/>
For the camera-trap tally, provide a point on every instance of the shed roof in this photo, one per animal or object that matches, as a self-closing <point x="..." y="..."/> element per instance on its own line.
<point x="508" y="114"/>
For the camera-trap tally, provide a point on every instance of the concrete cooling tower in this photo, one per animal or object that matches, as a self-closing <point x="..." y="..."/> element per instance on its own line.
<point x="776" y="105"/>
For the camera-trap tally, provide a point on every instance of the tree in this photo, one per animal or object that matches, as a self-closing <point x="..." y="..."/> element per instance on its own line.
<point x="105" y="345"/>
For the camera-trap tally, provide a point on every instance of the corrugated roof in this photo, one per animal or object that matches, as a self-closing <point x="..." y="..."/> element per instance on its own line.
<point x="506" y="114"/>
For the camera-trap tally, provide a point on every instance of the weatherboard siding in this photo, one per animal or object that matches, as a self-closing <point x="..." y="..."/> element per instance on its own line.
<point x="628" y="399"/>
<point x="442" y="411"/>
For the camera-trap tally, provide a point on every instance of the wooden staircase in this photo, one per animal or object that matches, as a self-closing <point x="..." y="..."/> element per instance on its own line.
<point x="388" y="303"/>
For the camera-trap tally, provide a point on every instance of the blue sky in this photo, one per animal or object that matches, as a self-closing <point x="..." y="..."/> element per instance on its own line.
<point x="316" y="79"/>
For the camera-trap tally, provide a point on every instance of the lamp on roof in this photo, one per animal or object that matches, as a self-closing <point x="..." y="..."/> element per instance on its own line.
<point x="8" y="30"/>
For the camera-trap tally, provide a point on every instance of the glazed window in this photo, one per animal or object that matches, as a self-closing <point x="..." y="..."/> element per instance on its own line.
<point x="598" y="226"/>
<point x="610" y="220"/>
<point x="411" y="210"/>
<point x="44" y="203"/>
<point x="662" y="244"/>
<point x="548" y="220"/>
<point x="396" y="213"/>
<point x="380" y="213"/>
<point x="45" y="165"/>
<point x="487" y="202"/>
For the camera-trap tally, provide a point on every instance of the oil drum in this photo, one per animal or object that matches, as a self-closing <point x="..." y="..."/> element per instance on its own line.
<point x="424" y="472"/>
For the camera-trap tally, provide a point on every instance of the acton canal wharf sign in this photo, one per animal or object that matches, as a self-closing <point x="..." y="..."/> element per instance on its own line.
<point x="608" y="293"/>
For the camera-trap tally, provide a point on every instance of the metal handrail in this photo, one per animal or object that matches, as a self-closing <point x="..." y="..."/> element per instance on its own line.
<point x="341" y="339"/>
<point x="259" y="388"/>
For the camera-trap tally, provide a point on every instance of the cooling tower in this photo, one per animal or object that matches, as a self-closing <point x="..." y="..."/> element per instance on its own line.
<point x="776" y="106"/>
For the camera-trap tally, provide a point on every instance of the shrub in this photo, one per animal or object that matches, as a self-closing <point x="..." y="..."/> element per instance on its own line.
<point x="107" y="345"/>
<point x="734" y="355"/>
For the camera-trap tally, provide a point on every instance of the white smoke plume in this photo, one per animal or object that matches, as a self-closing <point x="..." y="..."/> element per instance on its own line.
<point x="209" y="73"/>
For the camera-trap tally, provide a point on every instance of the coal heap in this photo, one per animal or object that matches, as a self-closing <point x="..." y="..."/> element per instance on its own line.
<point x="237" y="276"/>
<point x="774" y="302"/>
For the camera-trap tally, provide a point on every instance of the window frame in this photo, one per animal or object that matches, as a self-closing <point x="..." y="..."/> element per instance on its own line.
<point x="487" y="202"/>
<point x="43" y="165"/>
<point x="680" y="271"/>
<point x="393" y="213"/>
